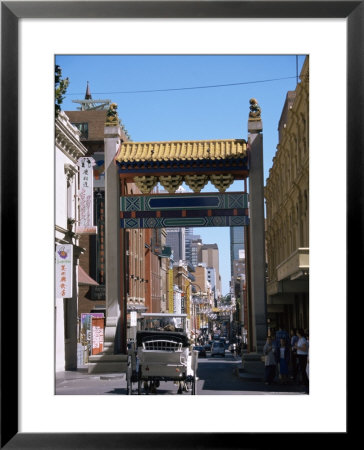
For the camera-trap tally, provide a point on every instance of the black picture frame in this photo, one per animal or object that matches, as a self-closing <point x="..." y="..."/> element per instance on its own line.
<point x="11" y="12"/>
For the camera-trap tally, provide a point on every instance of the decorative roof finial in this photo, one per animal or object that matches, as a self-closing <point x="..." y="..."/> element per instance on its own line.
<point x="255" y="110"/>
<point x="112" y="119"/>
<point x="88" y="95"/>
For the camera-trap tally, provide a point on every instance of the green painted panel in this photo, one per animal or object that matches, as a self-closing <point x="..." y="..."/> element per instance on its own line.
<point x="232" y="221"/>
<point x="169" y="202"/>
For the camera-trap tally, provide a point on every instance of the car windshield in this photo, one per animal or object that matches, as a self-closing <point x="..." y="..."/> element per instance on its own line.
<point x="218" y="344"/>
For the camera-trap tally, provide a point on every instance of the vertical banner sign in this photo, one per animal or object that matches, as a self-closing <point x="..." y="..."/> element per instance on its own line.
<point x="188" y="306"/>
<point x="100" y="239"/>
<point x="64" y="270"/>
<point x="86" y="192"/>
<point x="133" y="318"/>
<point x="170" y="291"/>
<point x="177" y="303"/>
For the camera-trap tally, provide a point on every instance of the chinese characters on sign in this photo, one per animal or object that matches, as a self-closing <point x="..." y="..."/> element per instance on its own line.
<point x="86" y="192"/>
<point x="64" y="269"/>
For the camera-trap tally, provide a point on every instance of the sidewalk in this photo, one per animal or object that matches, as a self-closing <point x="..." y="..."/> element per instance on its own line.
<point x="80" y="382"/>
<point x="252" y="369"/>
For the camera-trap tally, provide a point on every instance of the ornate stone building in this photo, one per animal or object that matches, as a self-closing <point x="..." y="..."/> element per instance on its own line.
<point x="287" y="209"/>
<point x="68" y="149"/>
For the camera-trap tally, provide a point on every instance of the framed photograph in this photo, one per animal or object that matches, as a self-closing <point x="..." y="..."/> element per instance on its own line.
<point x="194" y="423"/>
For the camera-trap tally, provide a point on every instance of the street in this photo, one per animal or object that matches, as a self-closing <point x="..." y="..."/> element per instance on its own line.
<point x="216" y="376"/>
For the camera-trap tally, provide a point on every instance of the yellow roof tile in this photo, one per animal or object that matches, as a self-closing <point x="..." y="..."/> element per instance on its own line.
<point x="181" y="150"/>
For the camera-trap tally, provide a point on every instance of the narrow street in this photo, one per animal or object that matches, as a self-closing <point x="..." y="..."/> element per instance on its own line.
<point x="216" y="376"/>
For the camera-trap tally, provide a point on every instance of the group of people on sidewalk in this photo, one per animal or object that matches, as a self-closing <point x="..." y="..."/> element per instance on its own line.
<point x="286" y="357"/>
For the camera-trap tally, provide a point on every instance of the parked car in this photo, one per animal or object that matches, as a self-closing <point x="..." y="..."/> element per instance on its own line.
<point x="207" y="347"/>
<point x="201" y="351"/>
<point x="218" y="348"/>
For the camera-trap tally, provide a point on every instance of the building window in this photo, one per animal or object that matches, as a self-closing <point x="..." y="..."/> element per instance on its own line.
<point x="83" y="128"/>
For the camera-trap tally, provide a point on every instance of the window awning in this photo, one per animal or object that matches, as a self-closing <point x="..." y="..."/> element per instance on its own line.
<point x="84" y="279"/>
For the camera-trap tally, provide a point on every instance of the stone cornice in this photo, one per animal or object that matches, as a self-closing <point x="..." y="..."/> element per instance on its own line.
<point x="67" y="138"/>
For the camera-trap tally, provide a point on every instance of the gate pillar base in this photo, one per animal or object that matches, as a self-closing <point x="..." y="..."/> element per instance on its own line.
<point x="105" y="363"/>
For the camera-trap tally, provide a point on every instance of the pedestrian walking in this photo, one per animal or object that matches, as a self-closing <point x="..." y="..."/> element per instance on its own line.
<point x="269" y="351"/>
<point x="302" y="353"/>
<point x="283" y="356"/>
<point x="293" y="356"/>
<point x="233" y="348"/>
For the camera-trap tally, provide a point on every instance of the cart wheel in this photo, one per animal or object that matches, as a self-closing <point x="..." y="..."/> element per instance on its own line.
<point x="193" y="386"/>
<point x="139" y="381"/>
<point x="128" y="377"/>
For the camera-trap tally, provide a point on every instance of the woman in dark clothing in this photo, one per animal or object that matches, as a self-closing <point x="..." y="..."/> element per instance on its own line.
<point x="283" y="355"/>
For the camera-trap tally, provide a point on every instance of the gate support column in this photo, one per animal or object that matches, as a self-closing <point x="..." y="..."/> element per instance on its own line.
<point x="112" y="238"/>
<point x="110" y="360"/>
<point x="257" y="236"/>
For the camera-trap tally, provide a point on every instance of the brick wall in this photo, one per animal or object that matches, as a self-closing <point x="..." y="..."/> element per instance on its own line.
<point x="95" y="120"/>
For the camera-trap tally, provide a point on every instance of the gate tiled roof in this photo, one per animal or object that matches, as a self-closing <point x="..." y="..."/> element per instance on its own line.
<point x="181" y="150"/>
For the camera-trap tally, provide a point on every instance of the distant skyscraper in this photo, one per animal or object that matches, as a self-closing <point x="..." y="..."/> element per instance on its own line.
<point x="191" y="249"/>
<point x="195" y="251"/>
<point x="209" y="254"/>
<point x="177" y="241"/>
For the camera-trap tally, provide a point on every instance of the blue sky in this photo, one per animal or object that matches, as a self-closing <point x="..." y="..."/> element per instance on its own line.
<point x="187" y="114"/>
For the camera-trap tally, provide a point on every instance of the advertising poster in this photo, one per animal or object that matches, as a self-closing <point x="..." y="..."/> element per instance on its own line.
<point x="88" y="335"/>
<point x="97" y="334"/>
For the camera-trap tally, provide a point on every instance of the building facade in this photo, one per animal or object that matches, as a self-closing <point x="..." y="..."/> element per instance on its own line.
<point x="146" y="268"/>
<point x="68" y="149"/>
<point x="287" y="206"/>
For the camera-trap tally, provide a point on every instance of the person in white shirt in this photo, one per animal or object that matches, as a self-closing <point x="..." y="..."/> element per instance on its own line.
<point x="302" y="353"/>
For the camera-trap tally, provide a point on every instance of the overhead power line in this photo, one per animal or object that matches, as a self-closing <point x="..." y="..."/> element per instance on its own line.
<point x="188" y="88"/>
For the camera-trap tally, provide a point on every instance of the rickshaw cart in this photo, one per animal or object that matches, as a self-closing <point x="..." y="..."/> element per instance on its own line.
<point x="162" y="353"/>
